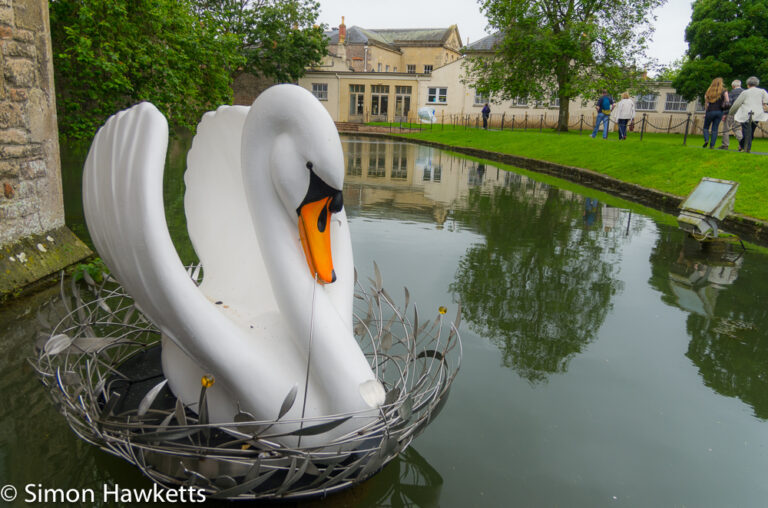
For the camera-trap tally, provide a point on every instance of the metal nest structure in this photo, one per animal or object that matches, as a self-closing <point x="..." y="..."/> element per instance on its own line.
<point x="101" y="366"/>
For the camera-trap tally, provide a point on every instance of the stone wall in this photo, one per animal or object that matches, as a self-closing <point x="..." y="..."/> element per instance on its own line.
<point x="34" y="242"/>
<point x="30" y="180"/>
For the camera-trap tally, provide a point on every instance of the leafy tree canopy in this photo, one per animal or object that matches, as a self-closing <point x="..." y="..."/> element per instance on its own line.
<point x="563" y="48"/>
<point x="726" y="38"/>
<point x="111" y="54"/>
<point x="278" y="38"/>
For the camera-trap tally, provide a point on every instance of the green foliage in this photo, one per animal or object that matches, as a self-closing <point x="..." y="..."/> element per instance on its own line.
<point x="111" y="54"/>
<point x="541" y="298"/>
<point x="277" y="38"/>
<point x="671" y="71"/>
<point x="726" y="38"/>
<point x="567" y="49"/>
<point x="95" y="269"/>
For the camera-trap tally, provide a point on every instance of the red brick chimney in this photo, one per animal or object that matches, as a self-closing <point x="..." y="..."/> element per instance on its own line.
<point x="342" y="31"/>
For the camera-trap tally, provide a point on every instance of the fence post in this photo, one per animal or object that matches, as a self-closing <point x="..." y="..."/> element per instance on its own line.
<point x="642" y="127"/>
<point x="541" y="123"/>
<point x="669" y="126"/>
<point x="502" y="120"/>
<point x="581" y="123"/>
<point x="525" y="125"/>
<point x="687" y="122"/>
<point x="750" y="131"/>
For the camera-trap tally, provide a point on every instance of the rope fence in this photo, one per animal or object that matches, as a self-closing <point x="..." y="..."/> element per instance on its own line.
<point x="687" y="124"/>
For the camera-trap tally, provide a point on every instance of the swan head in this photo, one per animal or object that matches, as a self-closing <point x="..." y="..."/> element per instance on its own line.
<point x="306" y="165"/>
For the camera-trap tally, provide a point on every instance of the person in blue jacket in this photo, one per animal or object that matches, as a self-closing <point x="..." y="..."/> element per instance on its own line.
<point x="604" y="108"/>
<point x="486" y="113"/>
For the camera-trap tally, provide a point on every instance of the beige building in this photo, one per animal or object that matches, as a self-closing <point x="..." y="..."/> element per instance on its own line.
<point x="351" y="95"/>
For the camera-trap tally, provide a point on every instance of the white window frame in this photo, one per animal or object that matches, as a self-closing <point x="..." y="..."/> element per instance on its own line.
<point x="428" y="69"/>
<point x="646" y="102"/>
<point x="480" y="99"/>
<point x="411" y="69"/>
<point x="437" y="95"/>
<point x="675" y="102"/>
<point x="320" y="90"/>
<point x="520" y="102"/>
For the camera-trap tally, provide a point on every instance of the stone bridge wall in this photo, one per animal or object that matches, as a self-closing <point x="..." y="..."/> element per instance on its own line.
<point x="34" y="242"/>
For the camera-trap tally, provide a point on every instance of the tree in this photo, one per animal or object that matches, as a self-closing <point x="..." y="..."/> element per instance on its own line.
<point x="541" y="289"/>
<point x="726" y="38"/>
<point x="278" y="38"/>
<point x="563" y="48"/>
<point x="111" y="54"/>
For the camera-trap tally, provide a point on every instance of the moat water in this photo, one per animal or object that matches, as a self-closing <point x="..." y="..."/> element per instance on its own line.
<point x="608" y="360"/>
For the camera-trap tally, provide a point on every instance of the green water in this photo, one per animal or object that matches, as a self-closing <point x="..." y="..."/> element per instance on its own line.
<point x="608" y="360"/>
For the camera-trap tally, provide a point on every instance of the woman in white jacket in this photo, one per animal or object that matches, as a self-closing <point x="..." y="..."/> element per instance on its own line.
<point x="752" y="100"/>
<point x="625" y="111"/>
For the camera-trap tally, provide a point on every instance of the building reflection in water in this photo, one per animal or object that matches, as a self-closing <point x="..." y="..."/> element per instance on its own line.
<point x="542" y="282"/>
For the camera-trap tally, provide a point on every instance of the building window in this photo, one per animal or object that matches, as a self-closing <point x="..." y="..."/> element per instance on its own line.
<point x="356" y="99"/>
<point x="521" y="102"/>
<point x="402" y="100"/>
<point x="399" y="162"/>
<point x="554" y="101"/>
<point x="699" y="106"/>
<point x="355" y="159"/>
<point x="387" y="69"/>
<point x="437" y="95"/>
<point x="480" y="98"/>
<point x="411" y="69"/>
<point x="646" y="102"/>
<point x="320" y="90"/>
<point x="377" y="160"/>
<point x="427" y="69"/>
<point x="379" y="67"/>
<point x="394" y="69"/>
<point x="675" y="102"/>
<point x="379" y="100"/>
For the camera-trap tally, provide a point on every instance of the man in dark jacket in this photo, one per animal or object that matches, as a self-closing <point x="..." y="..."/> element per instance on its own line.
<point x="728" y="120"/>
<point x="486" y="113"/>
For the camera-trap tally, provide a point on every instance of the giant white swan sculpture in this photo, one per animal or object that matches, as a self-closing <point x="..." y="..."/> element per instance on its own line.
<point x="264" y="212"/>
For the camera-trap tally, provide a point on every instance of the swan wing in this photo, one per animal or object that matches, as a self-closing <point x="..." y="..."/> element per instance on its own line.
<point x="218" y="218"/>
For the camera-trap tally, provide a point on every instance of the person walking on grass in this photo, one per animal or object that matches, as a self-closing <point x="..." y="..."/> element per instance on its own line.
<point x="625" y="111"/>
<point x="753" y="100"/>
<point x="486" y="113"/>
<point x="728" y="121"/>
<point x="604" y="108"/>
<point x="716" y="99"/>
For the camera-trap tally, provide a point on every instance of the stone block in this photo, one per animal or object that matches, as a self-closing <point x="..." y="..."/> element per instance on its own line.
<point x="6" y="16"/>
<point x="14" y="136"/>
<point x="6" y="32"/>
<point x="31" y="170"/>
<point x="28" y="14"/>
<point x="19" y="49"/>
<point x="20" y="72"/>
<point x="9" y="169"/>
<point x="18" y="94"/>
<point x="24" y="36"/>
<point x="30" y="151"/>
<point x="11" y="115"/>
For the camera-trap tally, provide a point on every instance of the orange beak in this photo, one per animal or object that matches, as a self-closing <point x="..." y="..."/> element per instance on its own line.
<point x="315" y="235"/>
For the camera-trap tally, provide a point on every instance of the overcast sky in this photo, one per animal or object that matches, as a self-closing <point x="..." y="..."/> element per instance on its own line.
<point x="668" y="45"/>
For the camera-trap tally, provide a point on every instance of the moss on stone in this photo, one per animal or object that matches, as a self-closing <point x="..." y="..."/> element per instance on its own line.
<point x="34" y="258"/>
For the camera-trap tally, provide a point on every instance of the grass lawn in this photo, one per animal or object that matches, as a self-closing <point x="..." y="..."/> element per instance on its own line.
<point x="659" y="161"/>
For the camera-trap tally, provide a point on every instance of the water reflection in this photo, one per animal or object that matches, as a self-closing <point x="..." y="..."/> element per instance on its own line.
<point x="724" y="295"/>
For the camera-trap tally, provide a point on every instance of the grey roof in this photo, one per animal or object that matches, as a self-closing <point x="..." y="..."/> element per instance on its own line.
<point x="391" y="38"/>
<point x="487" y="43"/>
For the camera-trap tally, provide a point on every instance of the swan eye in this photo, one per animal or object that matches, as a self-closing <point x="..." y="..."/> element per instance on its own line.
<point x="309" y="165"/>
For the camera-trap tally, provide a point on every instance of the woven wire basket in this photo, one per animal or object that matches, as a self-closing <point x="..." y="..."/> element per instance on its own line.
<point x="101" y="366"/>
